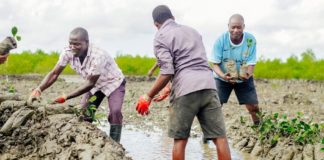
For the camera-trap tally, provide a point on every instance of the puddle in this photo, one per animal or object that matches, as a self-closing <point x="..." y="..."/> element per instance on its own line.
<point x="157" y="145"/>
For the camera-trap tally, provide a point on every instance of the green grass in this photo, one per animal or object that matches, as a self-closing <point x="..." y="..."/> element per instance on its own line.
<point x="306" y="67"/>
<point x="135" y="65"/>
<point x="41" y="63"/>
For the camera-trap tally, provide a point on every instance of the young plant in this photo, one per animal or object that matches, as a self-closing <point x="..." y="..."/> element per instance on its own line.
<point x="14" y="31"/>
<point x="275" y="127"/>
<point x="11" y="89"/>
<point x="91" y="111"/>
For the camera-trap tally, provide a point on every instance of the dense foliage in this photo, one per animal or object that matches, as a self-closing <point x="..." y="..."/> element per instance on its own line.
<point x="305" y="67"/>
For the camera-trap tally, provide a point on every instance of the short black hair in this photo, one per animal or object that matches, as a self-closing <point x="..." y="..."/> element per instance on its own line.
<point x="83" y="33"/>
<point x="237" y="16"/>
<point x="161" y="13"/>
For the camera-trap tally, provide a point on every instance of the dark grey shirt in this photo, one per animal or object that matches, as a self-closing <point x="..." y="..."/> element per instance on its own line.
<point x="180" y="52"/>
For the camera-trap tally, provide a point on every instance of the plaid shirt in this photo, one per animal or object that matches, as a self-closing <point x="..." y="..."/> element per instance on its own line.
<point x="97" y="62"/>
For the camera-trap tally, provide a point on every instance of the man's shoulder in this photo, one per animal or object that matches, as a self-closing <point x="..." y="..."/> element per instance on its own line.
<point x="249" y="35"/>
<point x="98" y="51"/>
<point x="222" y="38"/>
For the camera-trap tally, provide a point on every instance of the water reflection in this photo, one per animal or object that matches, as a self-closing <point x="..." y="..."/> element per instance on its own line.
<point x="157" y="145"/>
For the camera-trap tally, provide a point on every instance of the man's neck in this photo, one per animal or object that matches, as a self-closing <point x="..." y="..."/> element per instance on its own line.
<point x="237" y="41"/>
<point x="82" y="57"/>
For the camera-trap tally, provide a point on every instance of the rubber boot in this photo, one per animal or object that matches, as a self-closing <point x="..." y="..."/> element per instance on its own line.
<point x="205" y="140"/>
<point x="115" y="132"/>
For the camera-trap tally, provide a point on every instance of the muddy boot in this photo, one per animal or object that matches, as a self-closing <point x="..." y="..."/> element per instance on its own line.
<point x="115" y="132"/>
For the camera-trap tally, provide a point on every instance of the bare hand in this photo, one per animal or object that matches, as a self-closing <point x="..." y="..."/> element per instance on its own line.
<point x="227" y="77"/>
<point x="245" y="76"/>
<point x="150" y="73"/>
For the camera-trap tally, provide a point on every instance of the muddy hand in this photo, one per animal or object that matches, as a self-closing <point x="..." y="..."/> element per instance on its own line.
<point x="245" y="76"/>
<point x="165" y="93"/>
<point x="35" y="95"/>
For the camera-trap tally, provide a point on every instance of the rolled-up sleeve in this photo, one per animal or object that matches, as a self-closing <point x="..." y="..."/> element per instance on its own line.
<point x="164" y="57"/>
<point x="217" y="52"/>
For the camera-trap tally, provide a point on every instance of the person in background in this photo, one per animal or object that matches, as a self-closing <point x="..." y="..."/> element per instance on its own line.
<point x="234" y="58"/>
<point x="6" y="45"/>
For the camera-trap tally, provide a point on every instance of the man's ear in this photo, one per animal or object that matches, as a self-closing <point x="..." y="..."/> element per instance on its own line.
<point x="157" y="25"/>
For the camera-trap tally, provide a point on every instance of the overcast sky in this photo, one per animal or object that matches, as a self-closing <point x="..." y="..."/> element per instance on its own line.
<point x="281" y="27"/>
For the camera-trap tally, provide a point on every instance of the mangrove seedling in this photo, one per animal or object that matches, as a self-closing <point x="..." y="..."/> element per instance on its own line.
<point x="14" y="31"/>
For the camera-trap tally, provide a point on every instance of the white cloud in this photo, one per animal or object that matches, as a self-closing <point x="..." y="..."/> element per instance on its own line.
<point x="282" y="27"/>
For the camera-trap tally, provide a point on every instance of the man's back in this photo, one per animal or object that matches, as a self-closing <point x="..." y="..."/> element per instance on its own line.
<point x="182" y="47"/>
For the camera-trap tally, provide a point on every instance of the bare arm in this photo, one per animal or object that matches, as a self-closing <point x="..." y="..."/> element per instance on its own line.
<point x="248" y="73"/>
<point x="161" y="81"/>
<point x="51" y="77"/>
<point x="90" y="83"/>
<point x="220" y="73"/>
<point x="250" y="70"/>
<point x="151" y="71"/>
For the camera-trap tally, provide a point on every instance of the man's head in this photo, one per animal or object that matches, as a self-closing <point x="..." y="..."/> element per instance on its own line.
<point x="236" y="26"/>
<point x="160" y="14"/>
<point x="79" y="41"/>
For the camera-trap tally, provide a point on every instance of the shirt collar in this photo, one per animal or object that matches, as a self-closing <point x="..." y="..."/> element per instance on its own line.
<point x="167" y="22"/>
<point x="236" y="45"/>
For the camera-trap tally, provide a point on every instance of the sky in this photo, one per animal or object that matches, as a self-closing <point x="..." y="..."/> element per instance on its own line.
<point x="281" y="27"/>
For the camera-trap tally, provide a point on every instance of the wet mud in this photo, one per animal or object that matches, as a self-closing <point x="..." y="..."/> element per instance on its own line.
<point x="46" y="133"/>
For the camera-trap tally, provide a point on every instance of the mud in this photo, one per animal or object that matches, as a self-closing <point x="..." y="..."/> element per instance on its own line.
<point x="51" y="132"/>
<point x="282" y="96"/>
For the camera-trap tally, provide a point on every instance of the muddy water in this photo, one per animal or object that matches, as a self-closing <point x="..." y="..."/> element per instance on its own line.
<point x="156" y="145"/>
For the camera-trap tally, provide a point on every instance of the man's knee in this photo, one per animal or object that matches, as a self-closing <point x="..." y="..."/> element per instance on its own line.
<point x="253" y="108"/>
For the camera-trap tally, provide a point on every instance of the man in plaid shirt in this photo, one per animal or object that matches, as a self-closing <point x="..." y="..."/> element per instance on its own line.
<point x="101" y="73"/>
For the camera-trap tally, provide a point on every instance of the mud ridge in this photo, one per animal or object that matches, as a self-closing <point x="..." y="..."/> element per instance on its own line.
<point x="51" y="132"/>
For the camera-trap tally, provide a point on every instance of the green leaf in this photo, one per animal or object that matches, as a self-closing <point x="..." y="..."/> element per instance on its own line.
<point x="275" y="116"/>
<point x="100" y="115"/>
<point x="322" y="149"/>
<point x="299" y="114"/>
<point x="14" y="31"/>
<point x="92" y="98"/>
<point x="92" y="107"/>
<point x="284" y="116"/>
<point x="274" y="140"/>
<point x="18" y="38"/>
<point x="242" y="120"/>
<point x="322" y="140"/>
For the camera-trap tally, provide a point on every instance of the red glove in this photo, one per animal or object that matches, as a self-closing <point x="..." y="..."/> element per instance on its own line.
<point x="165" y="93"/>
<point x="60" y="99"/>
<point x="142" y="106"/>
